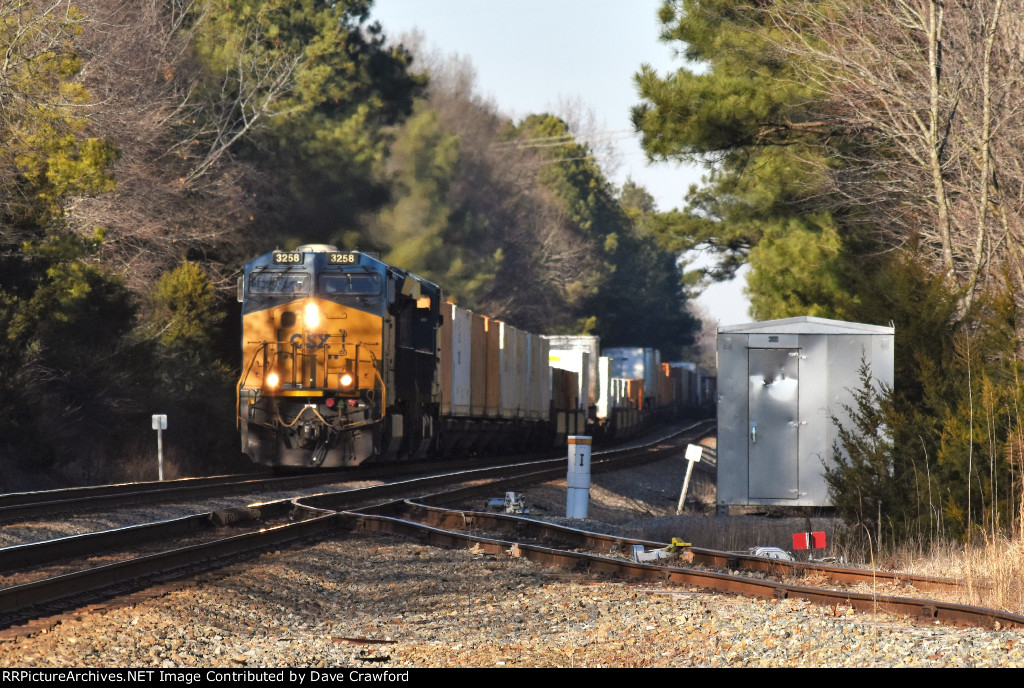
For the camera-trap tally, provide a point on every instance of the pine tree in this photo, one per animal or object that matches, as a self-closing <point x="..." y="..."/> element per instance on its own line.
<point x="737" y="107"/>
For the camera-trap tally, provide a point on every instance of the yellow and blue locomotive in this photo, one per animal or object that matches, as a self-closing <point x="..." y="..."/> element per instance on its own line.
<point x="346" y="358"/>
<point x="338" y="359"/>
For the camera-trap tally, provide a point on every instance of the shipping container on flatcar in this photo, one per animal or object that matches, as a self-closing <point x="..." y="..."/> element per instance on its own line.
<point x="629" y="384"/>
<point x="566" y="351"/>
<point x="573" y="358"/>
<point x="637" y="363"/>
<point x="495" y="385"/>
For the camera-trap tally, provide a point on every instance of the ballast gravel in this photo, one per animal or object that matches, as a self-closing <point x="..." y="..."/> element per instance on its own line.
<point x="384" y="602"/>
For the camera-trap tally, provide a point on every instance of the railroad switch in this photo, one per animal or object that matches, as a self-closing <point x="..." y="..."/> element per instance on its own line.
<point x="678" y="550"/>
<point x="772" y="553"/>
<point x="513" y="503"/>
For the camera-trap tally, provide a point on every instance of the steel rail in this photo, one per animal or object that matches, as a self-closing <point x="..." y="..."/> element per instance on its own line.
<point x="29" y="600"/>
<point x="321" y="515"/>
<point x="924" y="610"/>
<point x="523" y="527"/>
<point x="22" y="505"/>
<point x="481" y="481"/>
<point x="10" y="499"/>
<point x="14" y="557"/>
<point x="32" y="554"/>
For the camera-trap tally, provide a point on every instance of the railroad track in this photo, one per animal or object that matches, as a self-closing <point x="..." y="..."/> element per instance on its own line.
<point x="525" y="530"/>
<point x="386" y="508"/>
<point x="25" y="505"/>
<point x="601" y="554"/>
<point x="301" y="519"/>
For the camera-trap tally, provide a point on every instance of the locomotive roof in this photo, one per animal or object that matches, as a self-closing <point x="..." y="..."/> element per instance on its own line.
<point x="371" y="260"/>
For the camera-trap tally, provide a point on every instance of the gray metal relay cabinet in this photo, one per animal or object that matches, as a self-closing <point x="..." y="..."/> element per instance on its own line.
<point x="779" y="381"/>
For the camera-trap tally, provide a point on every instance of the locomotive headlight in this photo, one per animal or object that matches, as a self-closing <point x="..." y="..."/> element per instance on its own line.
<point x="346" y="380"/>
<point x="312" y="316"/>
<point x="272" y="380"/>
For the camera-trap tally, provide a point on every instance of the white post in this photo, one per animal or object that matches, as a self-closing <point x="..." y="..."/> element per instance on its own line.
<point x="160" y="424"/>
<point x="693" y="454"/>
<point x="577" y="480"/>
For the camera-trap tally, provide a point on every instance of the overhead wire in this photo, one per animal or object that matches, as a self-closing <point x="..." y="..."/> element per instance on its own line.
<point x="564" y="139"/>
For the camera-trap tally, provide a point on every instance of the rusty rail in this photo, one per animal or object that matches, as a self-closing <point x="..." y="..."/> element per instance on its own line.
<point x="924" y="610"/>
<point x="530" y="528"/>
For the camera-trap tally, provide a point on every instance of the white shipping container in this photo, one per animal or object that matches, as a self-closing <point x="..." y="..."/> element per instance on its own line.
<point x="455" y="360"/>
<point x="461" y="354"/>
<point x="539" y="385"/>
<point x="575" y="361"/>
<point x="591" y="344"/>
<point x="636" y="363"/>
<point x="626" y="362"/>
<point x="606" y="399"/>
<point x="513" y="356"/>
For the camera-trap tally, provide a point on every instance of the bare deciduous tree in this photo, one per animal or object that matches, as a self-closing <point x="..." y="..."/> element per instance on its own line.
<point x="922" y="99"/>
<point x="179" y="190"/>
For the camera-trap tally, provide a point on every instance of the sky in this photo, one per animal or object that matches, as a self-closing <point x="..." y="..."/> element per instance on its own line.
<point x="530" y="56"/>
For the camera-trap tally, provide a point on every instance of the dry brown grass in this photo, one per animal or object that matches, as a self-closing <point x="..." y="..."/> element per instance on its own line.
<point x="991" y="570"/>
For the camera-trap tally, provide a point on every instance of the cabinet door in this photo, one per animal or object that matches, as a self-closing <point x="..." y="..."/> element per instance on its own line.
<point x="773" y="432"/>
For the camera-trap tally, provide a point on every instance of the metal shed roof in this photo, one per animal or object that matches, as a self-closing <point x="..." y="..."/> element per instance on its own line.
<point x="805" y="324"/>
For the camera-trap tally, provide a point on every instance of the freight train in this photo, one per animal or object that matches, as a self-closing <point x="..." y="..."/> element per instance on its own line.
<point x="346" y="359"/>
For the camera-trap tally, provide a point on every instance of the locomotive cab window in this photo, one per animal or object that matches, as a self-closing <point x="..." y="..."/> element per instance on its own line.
<point x="275" y="282"/>
<point x="353" y="283"/>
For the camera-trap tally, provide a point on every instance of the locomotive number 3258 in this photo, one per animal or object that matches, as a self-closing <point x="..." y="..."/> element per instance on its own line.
<point x="288" y="258"/>
<point x="343" y="259"/>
